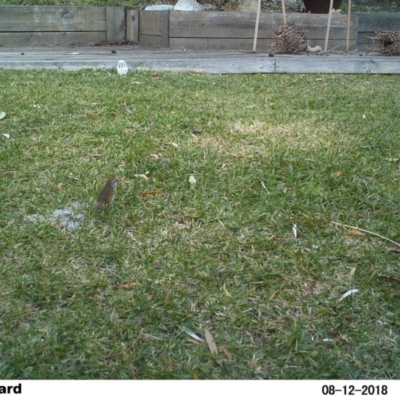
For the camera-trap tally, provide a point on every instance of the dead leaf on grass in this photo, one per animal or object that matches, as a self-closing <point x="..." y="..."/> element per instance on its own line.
<point x="154" y="156"/>
<point x="192" y="335"/>
<point x="132" y="372"/>
<point x="273" y="295"/>
<point x="393" y="249"/>
<point x="127" y="220"/>
<point x="348" y="293"/>
<point x="95" y="155"/>
<point x="354" y="232"/>
<point x="192" y="341"/>
<point x="59" y="186"/>
<point x="228" y="354"/>
<point x="182" y="218"/>
<point x="126" y="285"/>
<point x="99" y="297"/>
<point x="227" y="294"/>
<point x="211" y="342"/>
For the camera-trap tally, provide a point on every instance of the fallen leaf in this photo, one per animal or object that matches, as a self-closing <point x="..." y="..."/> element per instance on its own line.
<point x="337" y="173"/>
<point x="154" y="156"/>
<point x="192" y="341"/>
<point x="150" y="296"/>
<point x="182" y="218"/>
<point x="95" y="155"/>
<point x="59" y="186"/>
<point x="2" y="115"/>
<point x="113" y="114"/>
<point x="211" y="342"/>
<point x="228" y="354"/>
<point x="354" y="232"/>
<point x="127" y="285"/>
<point x="151" y="192"/>
<point x="344" y="337"/>
<point x="273" y="295"/>
<point x="99" y="297"/>
<point x="6" y="135"/>
<point x="348" y="293"/>
<point x="393" y="249"/>
<point x="174" y="144"/>
<point x="227" y="294"/>
<point x="132" y="372"/>
<point x="127" y="111"/>
<point x="193" y="335"/>
<point x="143" y="176"/>
<point x="253" y="363"/>
<point x="294" y="229"/>
<point x="127" y="220"/>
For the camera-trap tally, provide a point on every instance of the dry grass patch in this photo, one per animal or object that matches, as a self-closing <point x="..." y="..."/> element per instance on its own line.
<point x="251" y="139"/>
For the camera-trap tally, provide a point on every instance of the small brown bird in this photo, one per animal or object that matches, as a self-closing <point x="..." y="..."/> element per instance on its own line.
<point x="107" y="194"/>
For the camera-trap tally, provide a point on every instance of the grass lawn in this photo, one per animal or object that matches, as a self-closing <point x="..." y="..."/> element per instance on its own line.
<point x="117" y="297"/>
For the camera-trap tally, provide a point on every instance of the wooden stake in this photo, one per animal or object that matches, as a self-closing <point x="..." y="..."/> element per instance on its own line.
<point x="328" y="27"/>
<point x="257" y="24"/>
<point x="283" y="12"/>
<point x="348" y="27"/>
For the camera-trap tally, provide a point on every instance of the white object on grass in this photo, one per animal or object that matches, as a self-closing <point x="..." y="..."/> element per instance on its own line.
<point x="71" y="217"/>
<point x="122" y="68"/>
<point x="294" y="228"/>
<point x="193" y="335"/>
<point x="192" y="180"/>
<point x="348" y="293"/>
